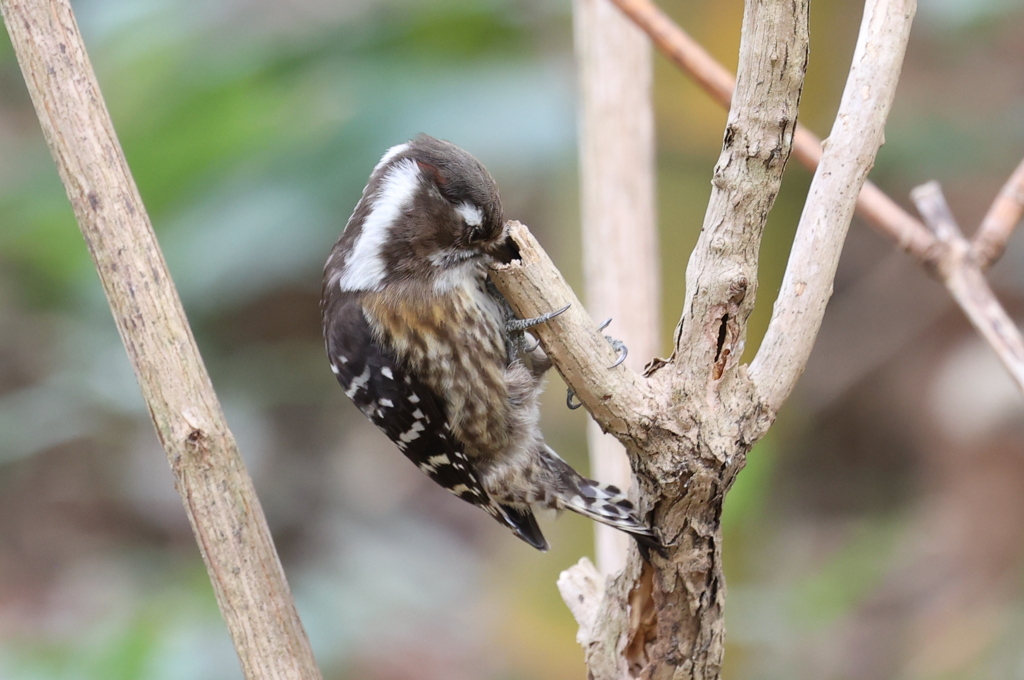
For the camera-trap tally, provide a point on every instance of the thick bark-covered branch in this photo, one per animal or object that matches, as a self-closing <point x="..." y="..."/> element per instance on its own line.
<point x="219" y="498"/>
<point x="689" y="425"/>
<point x="721" y="279"/>
<point x="849" y="155"/>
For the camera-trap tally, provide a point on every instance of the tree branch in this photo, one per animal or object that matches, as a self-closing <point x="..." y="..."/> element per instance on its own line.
<point x="534" y="286"/>
<point x="686" y="441"/>
<point x="966" y="282"/>
<point x="884" y="214"/>
<point x="848" y="157"/>
<point x="721" y="278"/>
<point x="989" y="242"/>
<point x="218" y="495"/>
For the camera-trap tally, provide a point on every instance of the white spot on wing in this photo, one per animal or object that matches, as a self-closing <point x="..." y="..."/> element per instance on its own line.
<point x="386" y="372"/>
<point x="364" y="268"/>
<point x="359" y="383"/>
<point x="335" y="369"/>
<point x="386" y="402"/>
<point x="413" y="399"/>
<point x="471" y="213"/>
<point x="412" y="433"/>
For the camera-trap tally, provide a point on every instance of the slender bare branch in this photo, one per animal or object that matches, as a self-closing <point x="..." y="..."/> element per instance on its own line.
<point x="966" y="282"/>
<point x="1000" y="221"/>
<point x="884" y="214"/>
<point x="681" y="49"/>
<point x="219" y="498"/>
<point x="619" y="231"/>
<point x="848" y="157"/>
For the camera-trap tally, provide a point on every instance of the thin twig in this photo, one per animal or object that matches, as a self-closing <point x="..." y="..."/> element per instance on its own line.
<point x="217" y="492"/>
<point x="855" y="139"/>
<point x="966" y="282"/>
<point x="884" y="214"/>
<point x="1000" y="220"/>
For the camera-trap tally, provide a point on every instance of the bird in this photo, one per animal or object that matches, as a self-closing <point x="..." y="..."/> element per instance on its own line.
<point x="429" y="350"/>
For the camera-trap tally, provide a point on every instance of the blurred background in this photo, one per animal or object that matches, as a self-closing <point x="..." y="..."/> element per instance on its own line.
<point x="876" y="533"/>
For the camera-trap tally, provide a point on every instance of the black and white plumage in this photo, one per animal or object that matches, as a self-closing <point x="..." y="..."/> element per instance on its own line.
<point x="424" y="346"/>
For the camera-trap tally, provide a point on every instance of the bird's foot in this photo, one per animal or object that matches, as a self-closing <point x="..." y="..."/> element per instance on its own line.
<point x="618" y="345"/>
<point x="520" y="325"/>
<point x="620" y="349"/>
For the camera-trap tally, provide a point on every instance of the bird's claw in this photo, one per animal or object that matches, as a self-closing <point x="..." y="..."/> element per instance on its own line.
<point x="618" y="345"/>
<point x="569" y="396"/>
<point x="620" y="349"/>
<point x="520" y="325"/>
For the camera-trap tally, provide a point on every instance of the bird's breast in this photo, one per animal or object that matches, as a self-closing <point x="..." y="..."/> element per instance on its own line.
<point x="455" y="343"/>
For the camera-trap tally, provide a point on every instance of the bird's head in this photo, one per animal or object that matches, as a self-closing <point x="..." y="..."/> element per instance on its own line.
<point x="429" y="213"/>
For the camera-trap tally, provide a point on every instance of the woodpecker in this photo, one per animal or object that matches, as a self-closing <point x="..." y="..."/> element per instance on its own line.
<point x="432" y="354"/>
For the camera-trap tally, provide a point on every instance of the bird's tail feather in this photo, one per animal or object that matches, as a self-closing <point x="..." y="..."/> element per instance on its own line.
<point x="603" y="503"/>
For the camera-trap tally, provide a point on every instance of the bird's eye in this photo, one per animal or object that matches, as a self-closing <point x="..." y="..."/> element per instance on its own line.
<point x="476" y="234"/>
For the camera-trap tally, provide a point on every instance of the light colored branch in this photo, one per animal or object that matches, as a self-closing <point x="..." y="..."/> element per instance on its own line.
<point x="1002" y="217"/>
<point x="884" y="214"/>
<point x="534" y="286"/>
<point x="219" y="498"/>
<point x="582" y="587"/>
<point x="619" y="234"/>
<point x="966" y="282"/>
<point x="848" y="157"/>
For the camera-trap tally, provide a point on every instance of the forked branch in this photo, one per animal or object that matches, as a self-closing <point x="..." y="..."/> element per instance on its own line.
<point x="965" y="280"/>
<point x="884" y="214"/>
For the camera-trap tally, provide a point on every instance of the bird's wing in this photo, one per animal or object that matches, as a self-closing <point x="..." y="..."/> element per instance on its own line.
<point x="409" y="412"/>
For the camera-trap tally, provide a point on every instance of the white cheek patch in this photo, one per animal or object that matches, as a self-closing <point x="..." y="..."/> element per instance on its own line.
<point x="473" y="215"/>
<point x="364" y="268"/>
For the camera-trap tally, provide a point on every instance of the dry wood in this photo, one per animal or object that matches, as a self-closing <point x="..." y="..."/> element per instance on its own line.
<point x="217" y="492"/>
<point x="534" y="286"/>
<point x="688" y="426"/>
<point x="621" y="269"/>
<point x="966" y="282"/>
<point x="690" y="423"/>
<point x="884" y="214"/>
<point x="856" y="137"/>
<point x="910" y="234"/>
<point x="989" y="242"/>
